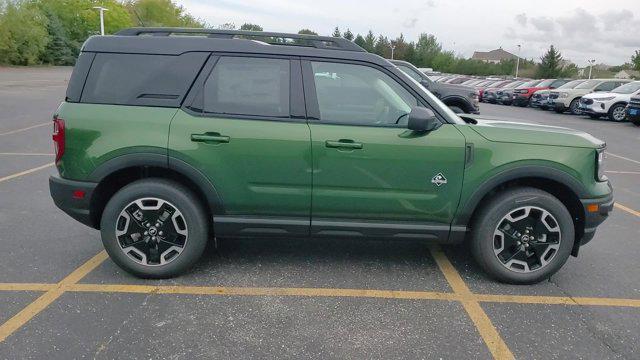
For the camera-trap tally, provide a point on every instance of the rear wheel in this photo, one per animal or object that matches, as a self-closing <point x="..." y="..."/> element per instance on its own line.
<point x="573" y="107"/>
<point x="522" y="236"/>
<point x="617" y="113"/>
<point x="154" y="228"/>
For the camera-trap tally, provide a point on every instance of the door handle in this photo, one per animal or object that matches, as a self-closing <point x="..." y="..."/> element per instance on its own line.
<point x="210" y="137"/>
<point x="343" y="144"/>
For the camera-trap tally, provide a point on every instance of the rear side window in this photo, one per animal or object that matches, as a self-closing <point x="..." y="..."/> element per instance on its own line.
<point x="248" y="86"/>
<point x="137" y="79"/>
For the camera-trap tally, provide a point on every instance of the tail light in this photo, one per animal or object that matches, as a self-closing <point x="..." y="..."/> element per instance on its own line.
<point x="58" y="137"/>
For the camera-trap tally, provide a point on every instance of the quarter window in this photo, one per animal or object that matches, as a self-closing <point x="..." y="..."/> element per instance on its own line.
<point x="248" y="86"/>
<point x="360" y="95"/>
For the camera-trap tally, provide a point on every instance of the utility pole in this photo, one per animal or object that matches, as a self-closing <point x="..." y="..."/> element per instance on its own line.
<point x="392" y="48"/>
<point x="102" y="10"/>
<point x="591" y="62"/>
<point x="518" y="61"/>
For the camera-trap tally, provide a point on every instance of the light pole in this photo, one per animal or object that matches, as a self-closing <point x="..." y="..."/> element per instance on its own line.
<point x="392" y="48"/>
<point x="591" y="62"/>
<point x="102" y="10"/>
<point x="518" y="61"/>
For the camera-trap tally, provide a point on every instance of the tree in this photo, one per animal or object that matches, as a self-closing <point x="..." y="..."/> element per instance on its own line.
<point x="550" y="64"/>
<point x="427" y="48"/>
<point x="336" y="32"/>
<point x="307" y="32"/>
<point x="160" y="13"/>
<point x="348" y="35"/>
<point x="383" y="47"/>
<point x="251" y="27"/>
<point x="59" y="48"/>
<point x="359" y="40"/>
<point x="635" y="60"/>
<point x="23" y="33"/>
<point x="369" y="41"/>
<point x="227" y="26"/>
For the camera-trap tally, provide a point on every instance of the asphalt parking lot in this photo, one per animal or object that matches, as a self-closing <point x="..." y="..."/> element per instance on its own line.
<point x="62" y="298"/>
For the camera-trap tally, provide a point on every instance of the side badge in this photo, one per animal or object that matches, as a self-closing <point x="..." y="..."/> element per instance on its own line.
<point x="439" y="180"/>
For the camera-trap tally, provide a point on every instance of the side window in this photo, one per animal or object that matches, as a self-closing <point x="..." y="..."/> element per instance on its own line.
<point x="606" y="86"/>
<point x="360" y="95"/>
<point x="409" y="71"/>
<point x="248" y="86"/>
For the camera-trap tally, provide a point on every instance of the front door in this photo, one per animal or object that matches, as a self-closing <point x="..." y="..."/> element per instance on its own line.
<point x="241" y="131"/>
<point x="371" y="175"/>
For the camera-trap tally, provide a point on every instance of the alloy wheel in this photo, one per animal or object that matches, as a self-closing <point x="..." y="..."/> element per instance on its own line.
<point x="526" y="239"/>
<point x="151" y="231"/>
<point x="618" y="113"/>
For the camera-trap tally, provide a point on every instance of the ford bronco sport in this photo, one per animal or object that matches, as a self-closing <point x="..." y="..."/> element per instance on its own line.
<point x="164" y="141"/>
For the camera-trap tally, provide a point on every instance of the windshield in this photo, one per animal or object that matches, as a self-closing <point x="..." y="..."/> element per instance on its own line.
<point x="629" y="88"/>
<point x="571" y="84"/>
<point x="589" y="84"/>
<point x="513" y="85"/>
<point x="546" y="83"/>
<point x="531" y="83"/>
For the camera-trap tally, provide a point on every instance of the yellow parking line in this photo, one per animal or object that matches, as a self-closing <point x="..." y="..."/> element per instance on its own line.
<point x="263" y="291"/>
<point x="629" y="210"/>
<point x="488" y="332"/>
<point x="558" y="300"/>
<point x="13" y="176"/>
<point x="25" y="287"/>
<point x="26" y="128"/>
<point x="41" y="303"/>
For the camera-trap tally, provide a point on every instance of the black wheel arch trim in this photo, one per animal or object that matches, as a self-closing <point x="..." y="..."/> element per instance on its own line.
<point x="467" y="209"/>
<point x="468" y="107"/>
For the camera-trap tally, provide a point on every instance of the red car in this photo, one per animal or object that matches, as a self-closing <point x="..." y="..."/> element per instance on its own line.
<point x="522" y="96"/>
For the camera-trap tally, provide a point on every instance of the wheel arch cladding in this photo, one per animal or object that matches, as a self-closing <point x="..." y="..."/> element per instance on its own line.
<point x="458" y="101"/>
<point x="121" y="171"/>
<point x="559" y="184"/>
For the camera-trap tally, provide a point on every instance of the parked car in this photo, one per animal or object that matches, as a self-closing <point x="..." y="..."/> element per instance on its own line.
<point x="505" y="97"/>
<point x="163" y="142"/>
<point x="633" y="110"/>
<point x="569" y="99"/>
<point x="492" y="94"/>
<point x="611" y="104"/>
<point x="460" y="98"/>
<point x="541" y="97"/>
<point x="522" y="94"/>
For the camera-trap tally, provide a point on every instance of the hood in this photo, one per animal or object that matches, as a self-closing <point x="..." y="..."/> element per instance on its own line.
<point x="498" y="130"/>
<point x="596" y="95"/>
<point x="457" y="88"/>
<point x="541" y="92"/>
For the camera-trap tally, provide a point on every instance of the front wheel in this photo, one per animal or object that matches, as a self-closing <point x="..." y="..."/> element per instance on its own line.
<point x="154" y="228"/>
<point x="574" y="107"/>
<point x="523" y="236"/>
<point x="617" y="113"/>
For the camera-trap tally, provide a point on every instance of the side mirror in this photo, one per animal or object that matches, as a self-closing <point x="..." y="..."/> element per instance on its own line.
<point x="422" y="120"/>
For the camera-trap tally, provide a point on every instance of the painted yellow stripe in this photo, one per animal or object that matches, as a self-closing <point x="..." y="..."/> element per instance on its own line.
<point x="558" y="300"/>
<point x="488" y="332"/>
<point x="629" y="210"/>
<point x="26" y="128"/>
<point x="41" y="303"/>
<point x="26" y="287"/>
<point x="263" y="291"/>
<point x="26" y="172"/>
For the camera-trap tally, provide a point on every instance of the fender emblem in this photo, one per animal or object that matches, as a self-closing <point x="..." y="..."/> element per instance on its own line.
<point x="439" y="179"/>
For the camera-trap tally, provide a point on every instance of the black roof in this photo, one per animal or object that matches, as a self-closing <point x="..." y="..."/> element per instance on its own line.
<point x="162" y="41"/>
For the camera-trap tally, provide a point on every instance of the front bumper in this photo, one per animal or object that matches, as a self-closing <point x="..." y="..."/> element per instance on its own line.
<point x="596" y="211"/>
<point x="597" y="108"/>
<point x="520" y="100"/>
<point x="73" y="197"/>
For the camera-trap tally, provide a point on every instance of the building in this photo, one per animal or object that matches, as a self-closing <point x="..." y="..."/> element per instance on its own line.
<point x="493" y="56"/>
<point x="627" y="74"/>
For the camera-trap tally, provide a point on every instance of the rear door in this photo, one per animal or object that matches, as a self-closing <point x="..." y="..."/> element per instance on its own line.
<point x="371" y="175"/>
<point x="243" y="126"/>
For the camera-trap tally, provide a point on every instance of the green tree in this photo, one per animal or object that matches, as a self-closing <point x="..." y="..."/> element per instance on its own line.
<point x="336" y="32"/>
<point x="348" y="35"/>
<point x="359" y="40"/>
<point x="307" y="32"/>
<point x="59" y="48"/>
<point x="383" y="47"/>
<point x="427" y="48"/>
<point x="160" y="13"/>
<point x="369" y="41"/>
<point x="635" y="60"/>
<point x="550" y="64"/>
<point x="251" y="27"/>
<point x="23" y="32"/>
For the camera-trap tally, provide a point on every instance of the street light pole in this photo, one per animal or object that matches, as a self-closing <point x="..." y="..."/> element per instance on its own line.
<point x="392" y="48"/>
<point x="518" y="62"/>
<point x="591" y="62"/>
<point x="102" y="10"/>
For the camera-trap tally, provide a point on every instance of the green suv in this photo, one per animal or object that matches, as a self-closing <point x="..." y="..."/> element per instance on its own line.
<point x="169" y="137"/>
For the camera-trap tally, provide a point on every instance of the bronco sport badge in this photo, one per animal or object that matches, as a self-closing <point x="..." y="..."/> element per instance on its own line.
<point x="439" y="179"/>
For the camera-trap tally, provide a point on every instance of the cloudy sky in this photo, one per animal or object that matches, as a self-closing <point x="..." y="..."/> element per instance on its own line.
<point x="604" y="30"/>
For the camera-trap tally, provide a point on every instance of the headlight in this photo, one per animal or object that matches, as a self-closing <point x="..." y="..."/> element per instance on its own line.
<point x="604" y="98"/>
<point x="600" y="176"/>
<point x="563" y="95"/>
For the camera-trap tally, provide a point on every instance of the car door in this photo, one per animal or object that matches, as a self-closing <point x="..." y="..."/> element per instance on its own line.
<point x="243" y="127"/>
<point x="371" y="175"/>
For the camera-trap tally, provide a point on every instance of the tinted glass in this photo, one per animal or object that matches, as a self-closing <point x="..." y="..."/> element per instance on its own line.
<point x="248" y="86"/>
<point x="607" y="86"/>
<point x="357" y="94"/>
<point x="134" y="79"/>
<point x="628" y="88"/>
<point x="589" y="84"/>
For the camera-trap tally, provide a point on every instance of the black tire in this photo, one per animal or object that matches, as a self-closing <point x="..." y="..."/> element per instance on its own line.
<point x="193" y="215"/>
<point x="491" y="216"/>
<point x="573" y="107"/>
<point x="613" y="111"/>
<point x="456" y="109"/>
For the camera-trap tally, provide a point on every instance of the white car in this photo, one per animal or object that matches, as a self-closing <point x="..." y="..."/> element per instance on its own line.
<point x="569" y="99"/>
<point x="611" y="104"/>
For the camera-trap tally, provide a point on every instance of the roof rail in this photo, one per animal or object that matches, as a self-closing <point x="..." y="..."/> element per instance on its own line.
<point x="274" y="38"/>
